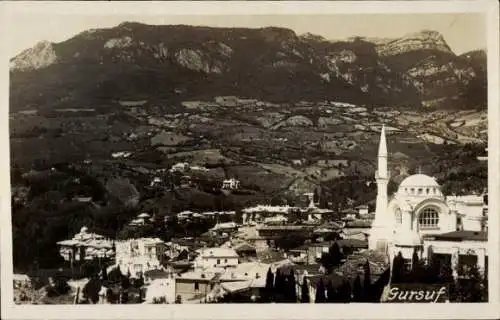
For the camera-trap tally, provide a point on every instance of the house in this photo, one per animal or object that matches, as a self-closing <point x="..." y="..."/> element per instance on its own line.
<point x="275" y="220"/>
<point x="230" y="184"/>
<point x="180" y="167"/>
<point x="155" y="182"/>
<point x="121" y="154"/>
<point x="159" y="285"/>
<point x="271" y="231"/>
<point x="139" y="255"/>
<point x="194" y="284"/>
<point x="311" y="253"/>
<point x="216" y="258"/>
<point x="354" y="234"/>
<point x="298" y="162"/>
<point x="358" y="225"/>
<point x="86" y="246"/>
<point x="226" y="227"/>
<point x="141" y="220"/>
<point x="362" y="210"/>
<point x="227" y="101"/>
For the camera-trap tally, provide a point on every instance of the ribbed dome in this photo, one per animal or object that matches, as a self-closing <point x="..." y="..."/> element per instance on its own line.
<point x="419" y="180"/>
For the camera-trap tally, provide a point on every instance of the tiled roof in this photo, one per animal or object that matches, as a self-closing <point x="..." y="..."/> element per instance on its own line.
<point x="461" y="236"/>
<point x="355" y="243"/>
<point x="359" y="224"/>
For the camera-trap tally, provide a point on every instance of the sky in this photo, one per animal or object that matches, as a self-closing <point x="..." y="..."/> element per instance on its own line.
<point x="462" y="31"/>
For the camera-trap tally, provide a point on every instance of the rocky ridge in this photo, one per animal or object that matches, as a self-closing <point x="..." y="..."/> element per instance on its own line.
<point x="272" y="64"/>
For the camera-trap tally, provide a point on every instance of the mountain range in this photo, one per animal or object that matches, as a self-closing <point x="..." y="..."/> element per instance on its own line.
<point x="173" y="63"/>
<point x="281" y="112"/>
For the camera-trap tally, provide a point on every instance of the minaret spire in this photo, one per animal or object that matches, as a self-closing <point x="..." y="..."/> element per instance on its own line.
<point x="381" y="233"/>
<point x="382" y="147"/>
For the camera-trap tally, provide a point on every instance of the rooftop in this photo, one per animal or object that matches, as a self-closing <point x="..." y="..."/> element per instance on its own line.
<point x="461" y="236"/>
<point x="419" y="180"/>
<point x="360" y="223"/>
<point x="218" y="252"/>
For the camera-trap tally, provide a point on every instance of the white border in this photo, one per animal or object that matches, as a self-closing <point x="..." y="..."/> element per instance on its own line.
<point x="256" y="311"/>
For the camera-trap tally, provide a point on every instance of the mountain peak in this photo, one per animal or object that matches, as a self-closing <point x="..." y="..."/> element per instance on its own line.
<point x="40" y="56"/>
<point x="422" y="40"/>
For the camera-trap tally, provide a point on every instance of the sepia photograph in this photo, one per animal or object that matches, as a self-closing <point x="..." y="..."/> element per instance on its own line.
<point x="328" y="157"/>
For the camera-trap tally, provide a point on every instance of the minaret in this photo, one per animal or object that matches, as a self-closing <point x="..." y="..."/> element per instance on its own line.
<point x="381" y="229"/>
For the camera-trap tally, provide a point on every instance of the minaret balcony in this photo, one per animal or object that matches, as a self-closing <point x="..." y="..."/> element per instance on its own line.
<point x="377" y="175"/>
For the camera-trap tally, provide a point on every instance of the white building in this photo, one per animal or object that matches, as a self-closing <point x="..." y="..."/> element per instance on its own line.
<point x="139" y="255"/>
<point x="86" y="246"/>
<point x="216" y="258"/>
<point x="419" y="217"/>
<point x="230" y="184"/>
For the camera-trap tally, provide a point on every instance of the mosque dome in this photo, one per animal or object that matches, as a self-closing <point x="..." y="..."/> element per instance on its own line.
<point x="419" y="185"/>
<point x="419" y="180"/>
<point x="407" y="238"/>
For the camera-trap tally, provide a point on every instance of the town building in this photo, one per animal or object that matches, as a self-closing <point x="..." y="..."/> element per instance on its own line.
<point x="136" y="256"/>
<point x="216" y="258"/>
<point x="86" y="245"/>
<point x="230" y="184"/>
<point x="419" y="217"/>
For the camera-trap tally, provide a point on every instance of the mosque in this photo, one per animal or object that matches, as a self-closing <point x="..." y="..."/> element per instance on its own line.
<point x="418" y="217"/>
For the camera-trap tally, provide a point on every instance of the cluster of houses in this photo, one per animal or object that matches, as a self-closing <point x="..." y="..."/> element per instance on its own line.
<point x="193" y="273"/>
<point x="417" y="219"/>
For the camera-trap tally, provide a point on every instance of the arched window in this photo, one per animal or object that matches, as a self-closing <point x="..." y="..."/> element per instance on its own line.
<point x="420" y="190"/>
<point x="427" y="190"/>
<point x="412" y="191"/>
<point x="428" y="219"/>
<point x="398" y="216"/>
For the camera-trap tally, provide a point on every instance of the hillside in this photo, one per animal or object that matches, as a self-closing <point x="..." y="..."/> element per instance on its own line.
<point x="272" y="64"/>
<point x="95" y="119"/>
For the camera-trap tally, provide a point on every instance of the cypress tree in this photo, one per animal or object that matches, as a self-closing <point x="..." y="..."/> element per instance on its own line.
<point x="104" y="274"/>
<point x="397" y="268"/>
<point x="345" y="292"/>
<point x="367" y="282"/>
<point x="330" y="292"/>
<point x="320" y="292"/>
<point x="278" y="282"/>
<point x="415" y="267"/>
<point x="335" y="254"/>
<point x="291" y="288"/>
<point x="269" y="290"/>
<point x="357" y="290"/>
<point x="304" y="297"/>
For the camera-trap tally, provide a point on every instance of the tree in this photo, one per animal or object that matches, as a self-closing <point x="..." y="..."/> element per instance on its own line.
<point x="472" y="287"/>
<point x="330" y="292"/>
<point x="345" y="292"/>
<point x="397" y="268"/>
<point x="332" y="258"/>
<point x="320" y="292"/>
<point x="279" y="285"/>
<point x="269" y="289"/>
<point x="291" y="291"/>
<point x="335" y="254"/>
<point x="115" y="275"/>
<point x="367" y="282"/>
<point x="357" y="291"/>
<point x="91" y="290"/>
<point x="304" y="297"/>
<point x="416" y="268"/>
<point x="104" y="274"/>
